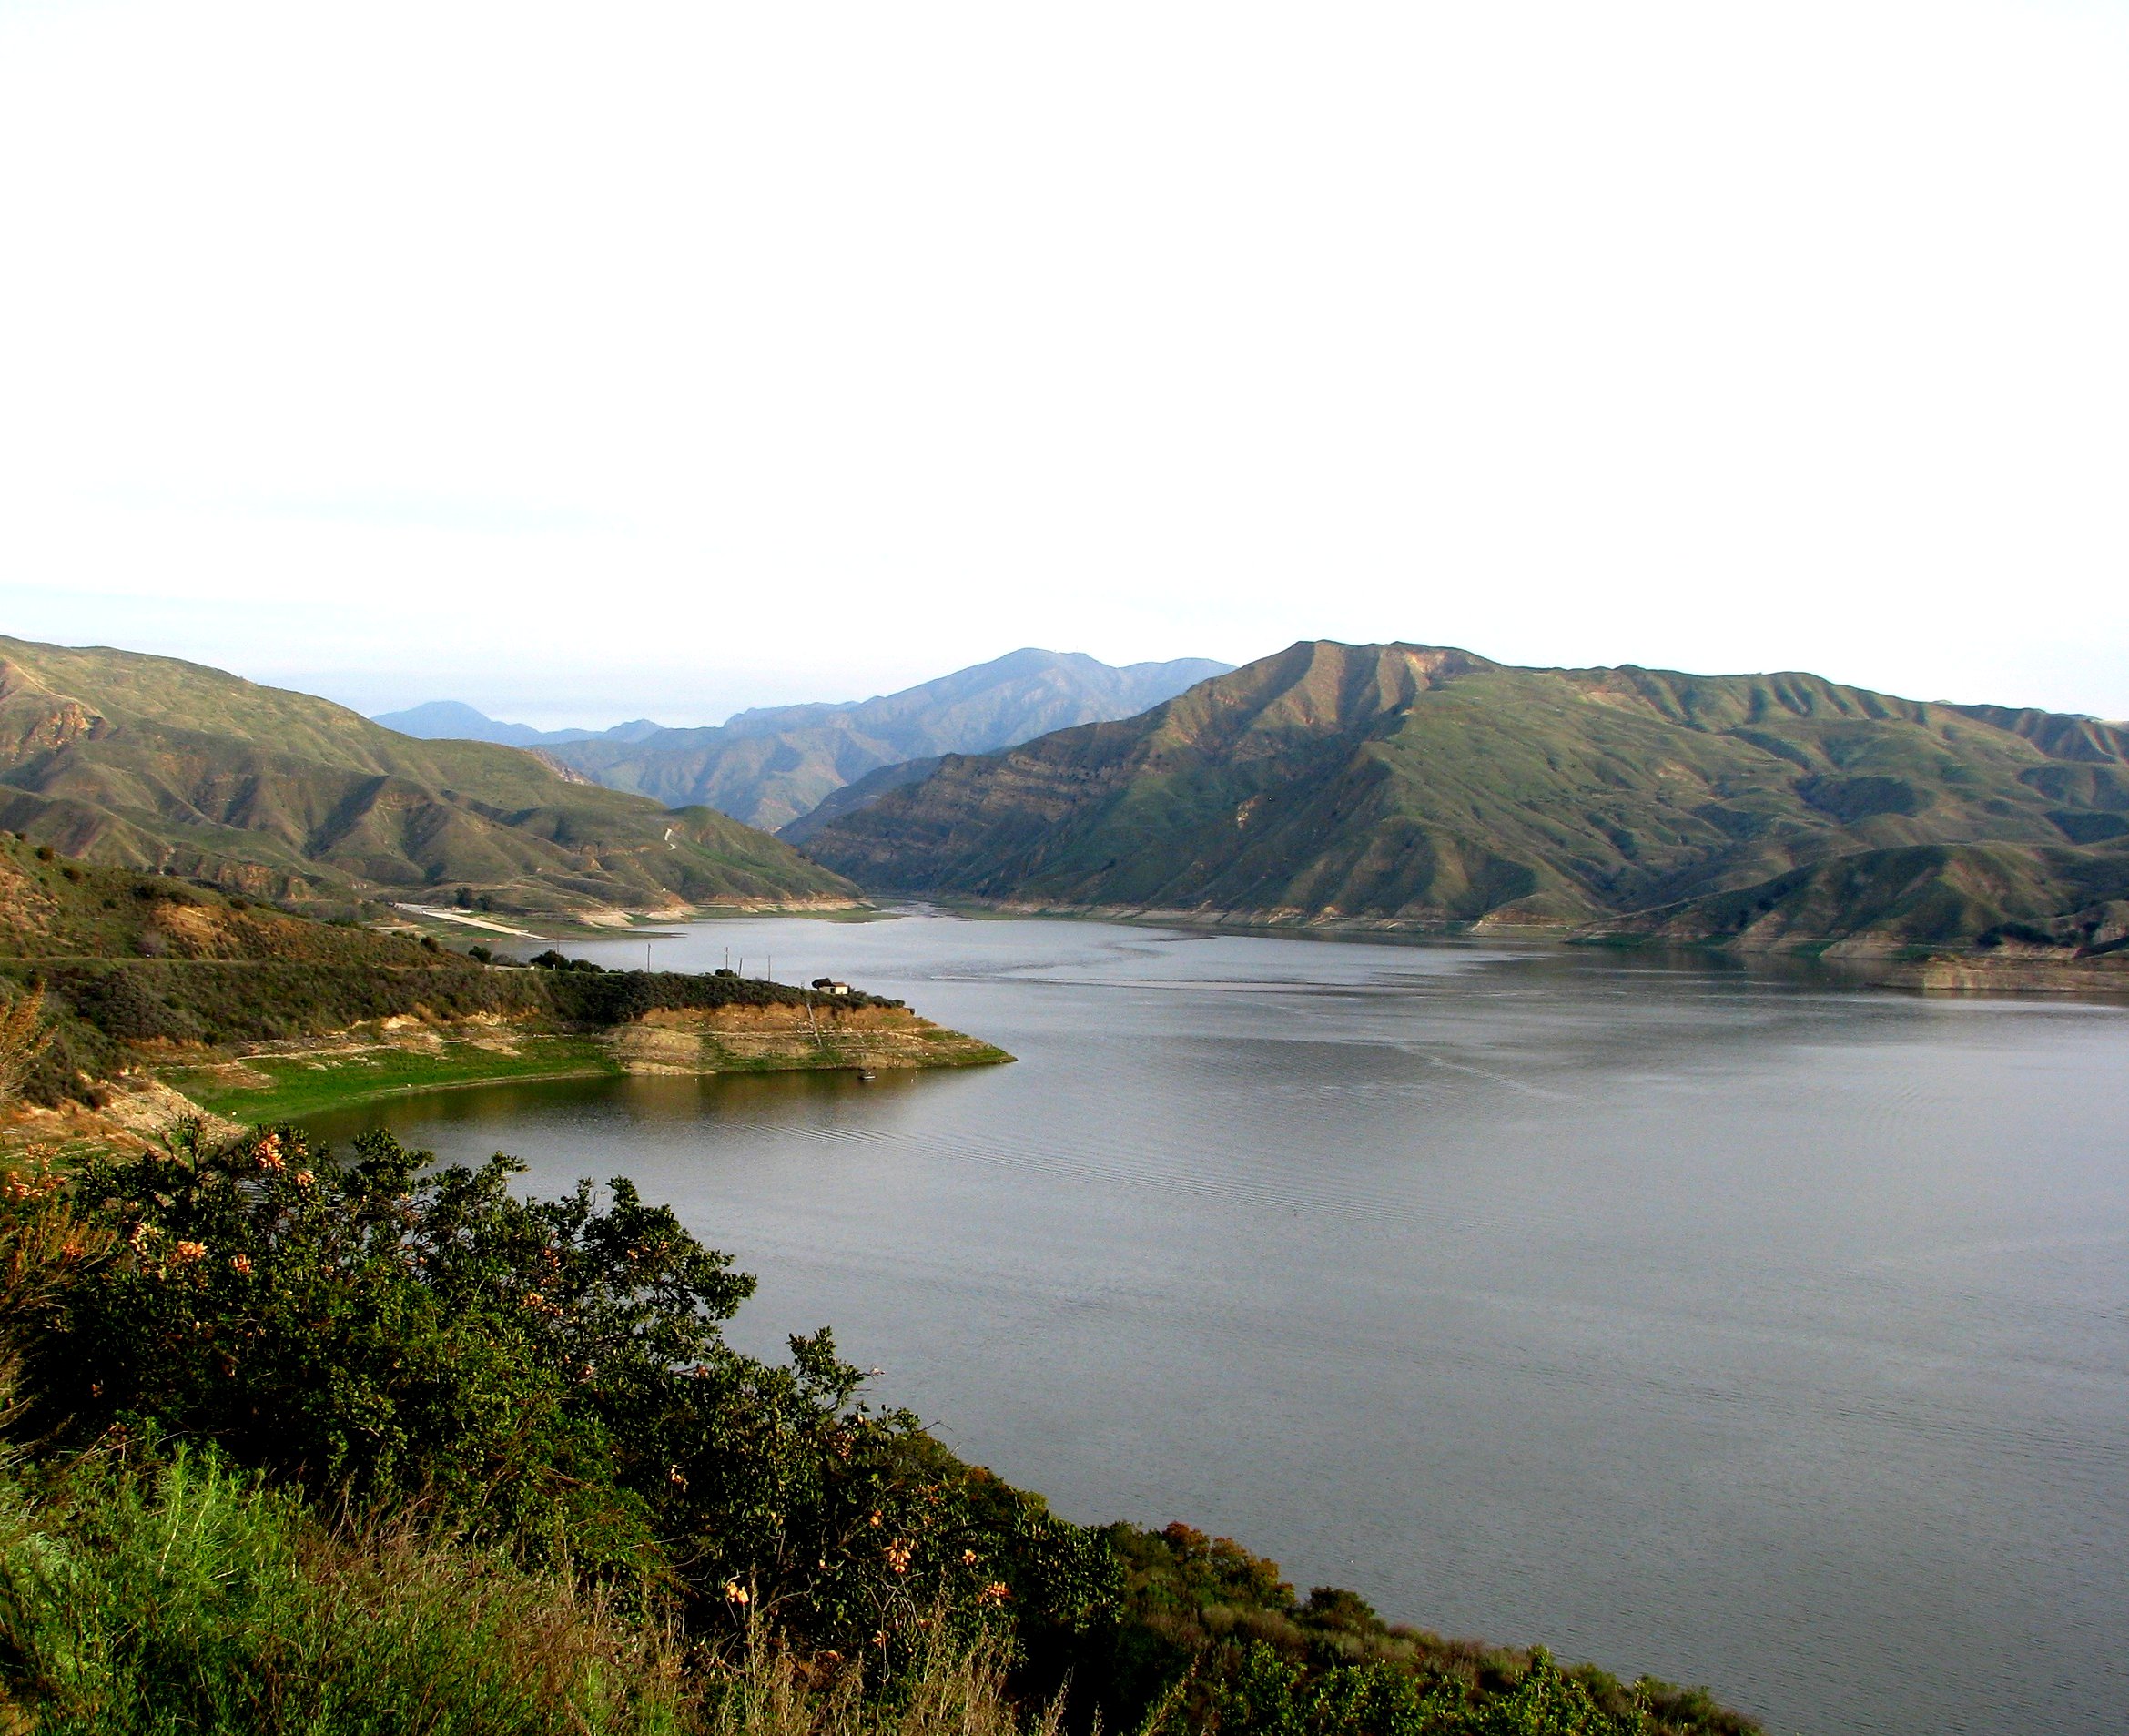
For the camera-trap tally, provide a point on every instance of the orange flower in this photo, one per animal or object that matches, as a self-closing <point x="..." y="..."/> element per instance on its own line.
<point x="186" y="1252"/>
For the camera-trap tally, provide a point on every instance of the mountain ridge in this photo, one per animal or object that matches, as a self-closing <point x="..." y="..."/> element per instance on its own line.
<point x="454" y="720"/>
<point x="772" y="765"/>
<point x="1427" y="786"/>
<point x="154" y="763"/>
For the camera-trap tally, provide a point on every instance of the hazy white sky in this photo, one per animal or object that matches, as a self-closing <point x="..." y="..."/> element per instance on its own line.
<point x="585" y="362"/>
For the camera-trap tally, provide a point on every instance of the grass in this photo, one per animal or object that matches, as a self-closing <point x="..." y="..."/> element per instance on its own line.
<point x="193" y="1599"/>
<point x="955" y="1689"/>
<point x="303" y="1085"/>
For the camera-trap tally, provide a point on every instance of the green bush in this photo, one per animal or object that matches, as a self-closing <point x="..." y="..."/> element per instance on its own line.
<point x="545" y="1459"/>
<point x="548" y="1375"/>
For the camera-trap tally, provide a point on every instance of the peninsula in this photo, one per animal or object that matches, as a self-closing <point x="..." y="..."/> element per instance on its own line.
<point x="167" y="997"/>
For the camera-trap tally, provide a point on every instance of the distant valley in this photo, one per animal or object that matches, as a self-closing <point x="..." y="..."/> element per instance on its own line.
<point x="769" y="767"/>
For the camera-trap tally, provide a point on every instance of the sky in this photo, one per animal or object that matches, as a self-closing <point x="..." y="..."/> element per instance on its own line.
<point x="590" y="362"/>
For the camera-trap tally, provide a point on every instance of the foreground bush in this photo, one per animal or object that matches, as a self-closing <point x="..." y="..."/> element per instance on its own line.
<point x="561" y="1500"/>
<point x="548" y="1376"/>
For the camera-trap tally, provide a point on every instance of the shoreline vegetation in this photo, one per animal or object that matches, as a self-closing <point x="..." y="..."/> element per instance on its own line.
<point x="328" y="1442"/>
<point x="305" y="1441"/>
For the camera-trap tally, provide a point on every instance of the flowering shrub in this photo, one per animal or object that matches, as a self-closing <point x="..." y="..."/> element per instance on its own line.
<point x="549" y="1372"/>
<point x="432" y="1358"/>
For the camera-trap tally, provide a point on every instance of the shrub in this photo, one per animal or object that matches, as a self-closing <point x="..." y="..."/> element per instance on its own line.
<point x="548" y="1375"/>
<point x="546" y="1456"/>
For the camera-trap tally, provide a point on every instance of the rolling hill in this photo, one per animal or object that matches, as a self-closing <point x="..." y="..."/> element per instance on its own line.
<point x="1415" y="785"/>
<point x="768" y="767"/>
<point x="147" y="762"/>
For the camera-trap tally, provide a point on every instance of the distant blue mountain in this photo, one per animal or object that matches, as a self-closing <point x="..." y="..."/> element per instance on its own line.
<point x="769" y="767"/>
<point x="452" y="720"/>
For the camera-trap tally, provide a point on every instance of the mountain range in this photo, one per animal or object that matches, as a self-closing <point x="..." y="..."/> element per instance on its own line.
<point x="454" y="720"/>
<point x="1424" y="787"/>
<point x="769" y="767"/>
<point x="147" y="762"/>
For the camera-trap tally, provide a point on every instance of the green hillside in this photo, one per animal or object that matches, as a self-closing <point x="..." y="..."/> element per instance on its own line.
<point x="1425" y="787"/>
<point x="2021" y="898"/>
<point x="152" y="763"/>
<point x="772" y="766"/>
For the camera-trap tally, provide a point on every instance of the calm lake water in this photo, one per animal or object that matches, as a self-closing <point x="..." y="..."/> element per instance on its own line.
<point x="1740" y="1327"/>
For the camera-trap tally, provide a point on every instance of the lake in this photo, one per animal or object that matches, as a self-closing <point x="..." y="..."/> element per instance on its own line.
<point x="1746" y="1326"/>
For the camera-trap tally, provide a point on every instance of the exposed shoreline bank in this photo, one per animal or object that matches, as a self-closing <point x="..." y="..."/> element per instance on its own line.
<point x="280" y="1081"/>
<point x="1894" y="965"/>
<point x="233" y="1086"/>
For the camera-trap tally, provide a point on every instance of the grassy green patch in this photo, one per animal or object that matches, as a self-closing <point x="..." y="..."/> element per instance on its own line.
<point x="194" y="1597"/>
<point x="305" y="1084"/>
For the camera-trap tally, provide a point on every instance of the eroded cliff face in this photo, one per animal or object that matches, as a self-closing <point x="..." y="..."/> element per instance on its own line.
<point x="1424" y="785"/>
<point x="35" y="719"/>
<point x="791" y="1039"/>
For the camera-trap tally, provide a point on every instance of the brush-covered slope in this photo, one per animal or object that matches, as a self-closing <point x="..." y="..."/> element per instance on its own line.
<point x="768" y="767"/>
<point x="1418" y="785"/>
<point x="55" y="911"/>
<point x="148" y="762"/>
<point x="2027" y="898"/>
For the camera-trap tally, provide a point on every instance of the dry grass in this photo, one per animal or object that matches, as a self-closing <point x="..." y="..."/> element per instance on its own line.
<point x="957" y="1688"/>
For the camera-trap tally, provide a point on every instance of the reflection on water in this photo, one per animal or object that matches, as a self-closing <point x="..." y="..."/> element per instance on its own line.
<point x="1733" y="1325"/>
